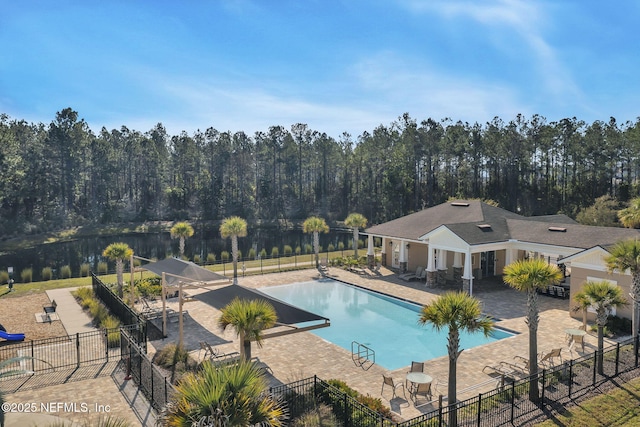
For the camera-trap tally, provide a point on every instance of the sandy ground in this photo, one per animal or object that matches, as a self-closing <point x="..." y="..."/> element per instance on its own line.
<point x="18" y="315"/>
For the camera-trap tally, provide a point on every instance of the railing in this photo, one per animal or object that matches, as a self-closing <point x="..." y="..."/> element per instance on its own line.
<point x="362" y="355"/>
<point x="505" y="405"/>
<point x="151" y="382"/>
<point x="120" y="309"/>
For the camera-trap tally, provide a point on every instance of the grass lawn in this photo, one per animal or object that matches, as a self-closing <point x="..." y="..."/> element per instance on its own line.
<point x="620" y="408"/>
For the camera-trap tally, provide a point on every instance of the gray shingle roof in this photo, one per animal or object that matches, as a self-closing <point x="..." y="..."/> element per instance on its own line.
<point x="464" y="218"/>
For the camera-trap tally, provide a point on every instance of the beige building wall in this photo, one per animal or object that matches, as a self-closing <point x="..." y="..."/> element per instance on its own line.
<point x="579" y="277"/>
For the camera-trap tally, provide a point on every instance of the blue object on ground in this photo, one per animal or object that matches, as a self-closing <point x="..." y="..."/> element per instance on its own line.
<point x="11" y="337"/>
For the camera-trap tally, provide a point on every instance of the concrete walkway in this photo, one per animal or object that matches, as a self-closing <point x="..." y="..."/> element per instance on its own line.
<point x="73" y="317"/>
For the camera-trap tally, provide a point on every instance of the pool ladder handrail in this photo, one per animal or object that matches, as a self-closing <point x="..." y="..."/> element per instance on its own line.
<point x="362" y="355"/>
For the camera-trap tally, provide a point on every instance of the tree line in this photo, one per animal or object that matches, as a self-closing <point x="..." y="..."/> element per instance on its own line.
<point x="63" y="173"/>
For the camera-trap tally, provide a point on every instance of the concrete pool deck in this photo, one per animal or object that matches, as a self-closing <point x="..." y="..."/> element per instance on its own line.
<point x="303" y="355"/>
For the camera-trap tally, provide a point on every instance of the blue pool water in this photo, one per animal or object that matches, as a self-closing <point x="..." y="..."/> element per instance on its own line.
<point x="385" y="324"/>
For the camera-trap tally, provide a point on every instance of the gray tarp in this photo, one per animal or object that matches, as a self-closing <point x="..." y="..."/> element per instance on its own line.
<point x="287" y="313"/>
<point x="182" y="268"/>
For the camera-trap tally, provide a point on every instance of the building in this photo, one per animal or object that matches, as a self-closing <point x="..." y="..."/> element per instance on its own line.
<point x="465" y="240"/>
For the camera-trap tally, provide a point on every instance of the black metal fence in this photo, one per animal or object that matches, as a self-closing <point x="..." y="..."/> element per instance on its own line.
<point x="505" y="405"/>
<point x="151" y="382"/>
<point x="120" y="309"/>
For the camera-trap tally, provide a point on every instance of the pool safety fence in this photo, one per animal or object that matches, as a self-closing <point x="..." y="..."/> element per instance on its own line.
<point x="118" y="308"/>
<point x="507" y="404"/>
<point x="148" y="378"/>
<point x="57" y="360"/>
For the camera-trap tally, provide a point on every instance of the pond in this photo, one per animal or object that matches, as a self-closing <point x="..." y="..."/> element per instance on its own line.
<point x="159" y="245"/>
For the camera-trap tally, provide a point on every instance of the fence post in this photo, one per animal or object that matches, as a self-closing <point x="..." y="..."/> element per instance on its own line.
<point x="479" y="407"/>
<point x="513" y="400"/>
<point x="595" y="366"/>
<point x="346" y="413"/>
<point x="570" y="376"/>
<point x="440" y="411"/>
<point x="106" y="343"/>
<point x="77" y="349"/>
<point x="617" y="357"/>
<point x="635" y="348"/>
<point x="544" y="371"/>
<point x="33" y="366"/>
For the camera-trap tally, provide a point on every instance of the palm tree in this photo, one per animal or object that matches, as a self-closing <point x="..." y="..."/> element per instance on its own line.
<point x="355" y="221"/>
<point x="229" y="394"/>
<point x="118" y="252"/>
<point x="582" y="303"/>
<point x="456" y="311"/>
<point x="234" y="227"/>
<point x="315" y="225"/>
<point x="529" y="276"/>
<point x="248" y="319"/>
<point x="625" y="256"/>
<point x="630" y="216"/>
<point x="181" y="230"/>
<point x="603" y="297"/>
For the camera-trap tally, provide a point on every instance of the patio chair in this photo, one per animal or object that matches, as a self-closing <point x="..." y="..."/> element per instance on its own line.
<point x="550" y="357"/>
<point x="578" y="339"/>
<point x="415" y="367"/>
<point x="391" y="383"/>
<point x="422" y="389"/>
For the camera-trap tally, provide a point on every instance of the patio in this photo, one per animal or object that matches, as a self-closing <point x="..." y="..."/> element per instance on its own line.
<point x="302" y="355"/>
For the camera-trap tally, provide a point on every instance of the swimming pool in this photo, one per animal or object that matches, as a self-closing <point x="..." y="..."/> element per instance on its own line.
<point x="385" y="324"/>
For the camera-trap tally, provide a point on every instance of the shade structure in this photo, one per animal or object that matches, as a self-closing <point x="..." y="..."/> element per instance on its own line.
<point x="287" y="314"/>
<point x="187" y="271"/>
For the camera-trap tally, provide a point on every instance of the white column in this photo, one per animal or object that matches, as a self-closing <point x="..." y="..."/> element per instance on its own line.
<point x="384" y="246"/>
<point x="457" y="260"/>
<point x="442" y="259"/>
<point x="370" y="251"/>
<point x="403" y="251"/>
<point x="467" y="266"/>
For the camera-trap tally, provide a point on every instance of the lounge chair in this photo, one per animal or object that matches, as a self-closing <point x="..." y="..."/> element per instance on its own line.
<point x="411" y="276"/>
<point x="209" y="352"/>
<point x="391" y="383"/>
<point x="422" y="389"/>
<point x="502" y="369"/>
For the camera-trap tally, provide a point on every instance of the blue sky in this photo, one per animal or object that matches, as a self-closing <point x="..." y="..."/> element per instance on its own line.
<point x="338" y="66"/>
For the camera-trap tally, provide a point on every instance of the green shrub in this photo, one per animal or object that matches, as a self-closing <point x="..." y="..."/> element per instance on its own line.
<point x="65" y="272"/>
<point x="263" y="253"/>
<point x="308" y="249"/>
<point x="102" y="267"/>
<point x="287" y="250"/>
<point x="224" y="255"/>
<point x="360" y="243"/>
<point x="149" y="286"/>
<point x="26" y="275"/>
<point x="98" y="311"/>
<point x="275" y="252"/>
<point x="84" y="270"/>
<point x="320" y="416"/>
<point x="239" y="254"/>
<point x="112" y="325"/>
<point x="211" y="258"/>
<point x="252" y="254"/>
<point x="4" y="276"/>
<point x="196" y="259"/>
<point x="174" y="357"/>
<point x="331" y="248"/>
<point x="298" y="250"/>
<point x="341" y="246"/>
<point x="83" y="292"/>
<point x="47" y="273"/>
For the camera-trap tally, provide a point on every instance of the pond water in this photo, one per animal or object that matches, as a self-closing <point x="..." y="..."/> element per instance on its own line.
<point x="159" y="246"/>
